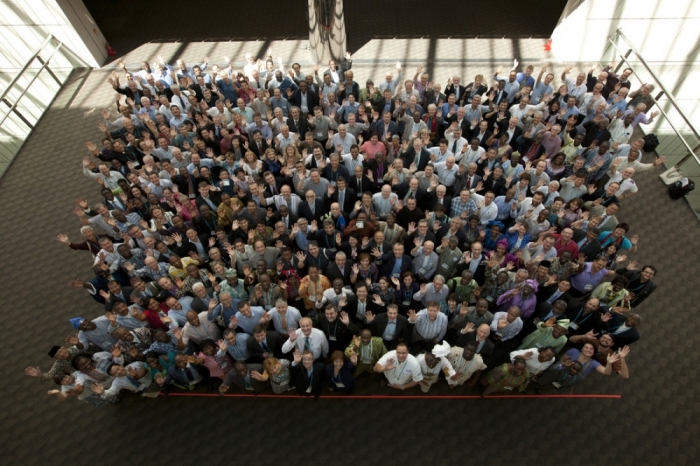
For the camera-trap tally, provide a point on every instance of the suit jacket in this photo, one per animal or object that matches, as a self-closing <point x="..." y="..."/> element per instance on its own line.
<point x="403" y="188"/>
<point x="253" y="147"/>
<point x="378" y="325"/>
<point x="300" y="127"/>
<point x="408" y="241"/>
<point x="279" y="182"/>
<point x="378" y="126"/>
<point x="486" y="136"/>
<point x="126" y="292"/>
<point x="341" y="68"/>
<point x="305" y="210"/>
<point x="621" y="339"/>
<point x="372" y="166"/>
<point x="351" y="309"/>
<point x="388" y="265"/>
<point x="497" y="99"/>
<point x="591" y="250"/>
<point x="367" y="185"/>
<point x="348" y="201"/>
<point x="639" y="296"/>
<point x="451" y="89"/>
<point x="525" y="147"/>
<point x="430" y="201"/>
<point x="421" y="160"/>
<point x="300" y="379"/>
<point x="311" y="99"/>
<point x="213" y="197"/>
<point x="327" y="173"/>
<point x="276" y="217"/>
<point x="608" y="224"/>
<point x="486" y="348"/>
<point x="517" y="132"/>
<point x="333" y="271"/>
<point x="465" y="125"/>
<point x="546" y="292"/>
<point x="232" y="378"/>
<point x="338" y="334"/>
<point x="429" y="98"/>
<point x="274" y="342"/>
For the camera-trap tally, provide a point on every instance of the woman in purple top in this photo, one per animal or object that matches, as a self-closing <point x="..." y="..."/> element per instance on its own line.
<point x="585" y="357"/>
<point x="524" y="299"/>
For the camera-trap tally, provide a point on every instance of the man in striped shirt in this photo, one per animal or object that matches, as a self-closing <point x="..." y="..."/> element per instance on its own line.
<point x="429" y="328"/>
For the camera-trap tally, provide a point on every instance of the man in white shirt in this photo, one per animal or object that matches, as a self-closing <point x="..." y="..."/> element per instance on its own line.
<point x="466" y="363"/>
<point x="536" y="359"/>
<point x="575" y="88"/>
<point x="307" y="338"/>
<point x="402" y="370"/>
<point x="446" y="171"/>
<point x="472" y="155"/>
<point x="627" y="185"/>
<point x="487" y="210"/>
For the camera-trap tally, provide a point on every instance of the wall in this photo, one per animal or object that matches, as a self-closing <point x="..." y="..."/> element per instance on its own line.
<point x="24" y="24"/>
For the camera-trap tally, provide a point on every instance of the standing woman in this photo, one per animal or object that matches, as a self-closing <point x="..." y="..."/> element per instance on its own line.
<point x="278" y="372"/>
<point x="405" y="289"/>
<point x="339" y="373"/>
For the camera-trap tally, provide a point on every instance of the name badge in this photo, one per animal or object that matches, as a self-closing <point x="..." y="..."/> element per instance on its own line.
<point x="366" y="361"/>
<point x="445" y="266"/>
<point x="340" y="384"/>
<point x="308" y="390"/>
<point x="319" y="134"/>
<point x="333" y="183"/>
<point x="312" y="299"/>
<point x="332" y="338"/>
<point x="267" y="307"/>
<point x="136" y="164"/>
<point x="396" y="275"/>
<point x="539" y="345"/>
<point x="556" y="384"/>
<point x="421" y="271"/>
<point x="213" y="233"/>
<point x="225" y="183"/>
<point x="573" y="325"/>
<point x="192" y="196"/>
<point x="406" y="303"/>
<point x="389" y="337"/>
<point x="588" y="287"/>
<point x="500" y="334"/>
<point x="507" y="387"/>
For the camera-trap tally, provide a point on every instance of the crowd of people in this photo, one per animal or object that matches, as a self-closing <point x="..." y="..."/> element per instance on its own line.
<point x="289" y="230"/>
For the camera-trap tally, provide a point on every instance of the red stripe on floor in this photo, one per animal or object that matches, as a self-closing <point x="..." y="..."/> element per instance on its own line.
<point x="390" y="397"/>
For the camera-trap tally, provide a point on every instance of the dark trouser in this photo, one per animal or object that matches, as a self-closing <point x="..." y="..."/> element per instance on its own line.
<point x="420" y="344"/>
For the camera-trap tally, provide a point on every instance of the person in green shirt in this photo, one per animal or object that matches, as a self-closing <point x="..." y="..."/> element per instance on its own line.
<point x="550" y="333"/>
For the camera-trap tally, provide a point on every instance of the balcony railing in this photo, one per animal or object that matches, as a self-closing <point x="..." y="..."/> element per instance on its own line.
<point x="679" y="140"/>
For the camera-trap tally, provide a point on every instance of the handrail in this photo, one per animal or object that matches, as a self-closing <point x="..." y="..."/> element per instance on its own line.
<point x="669" y="95"/>
<point x="26" y="88"/>
<point x="26" y="66"/>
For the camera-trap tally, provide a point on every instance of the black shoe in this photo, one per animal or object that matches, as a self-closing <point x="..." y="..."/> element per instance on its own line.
<point x="382" y="383"/>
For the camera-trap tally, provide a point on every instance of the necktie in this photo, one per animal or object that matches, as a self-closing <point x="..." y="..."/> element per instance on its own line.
<point x="273" y="189"/>
<point x="454" y="147"/>
<point x="188" y="374"/>
<point x="554" y="297"/>
<point x="313" y="208"/>
<point x="265" y="347"/>
<point x="341" y="198"/>
<point x="182" y="102"/>
<point x="307" y="343"/>
<point x="359" y="186"/>
<point x="260" y="148"/>
<point x="469" y="181"/>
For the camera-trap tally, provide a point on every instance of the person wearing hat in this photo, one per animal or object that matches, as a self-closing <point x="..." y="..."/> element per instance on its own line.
<point x="234" y="286"/>
<point x="94" y="331"/>
<point x="524" y="299"/>
<point x="494" y="235"/>
<point x="434" y="362"/>
<point x="550" y="333"/>
<point x="63" y="358"/>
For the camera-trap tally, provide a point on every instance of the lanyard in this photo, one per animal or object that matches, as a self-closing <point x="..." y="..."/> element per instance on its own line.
<point x="329" y="247"/>
<point x="405" y="363"/>
<point x="335" y="329"/>
<point x="466" y="369"/>
<point x="579" y="315"/>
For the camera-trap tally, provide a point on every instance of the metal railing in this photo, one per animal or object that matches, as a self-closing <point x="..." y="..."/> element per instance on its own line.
<point x="679" y="140"/>
<point x="31" y="92"/>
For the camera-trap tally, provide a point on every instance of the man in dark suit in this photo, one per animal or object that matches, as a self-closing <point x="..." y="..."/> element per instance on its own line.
<point x="265" y="343"/>
<point x="117" y="294"/>
<point x="338" y="328"/>
<point x="271" y="186"/>
<point x="295" y="98"/>
<point x="480" y="335"/>
<point x="384" y="126"/>
<point x="623" y="329"/>
<point x="433" y="96"/>
<point x="640" y="284"/>
<point x="360" y="183"/>
<point x="410" y="188"/>
<point x="207" y="197"/>
<point x="587" y="242"/>
<point x="349" y="195"/>
<point x="337" y="71"/>
<point x="482" y="133"/>
<point x="283" y="215"/>
<point x="258" y="145"/>
<point x="556" y="292"/>
<point x="307" y="376"/>
<point x="398" y="332"/>
<point x="319" y="209"/>
<point x="377" y="242"/>
<point x="435" y="196"/>
<point x="416" y="154"/>
<point x="406" y="262"/>
<point x="497" y="94"/>
<point x="455" y="88"/>
<point x="341" y="268"/>
<point x="241" y="377"/>
<point x="356" y="306"/>
<point x="296" y="123"/>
